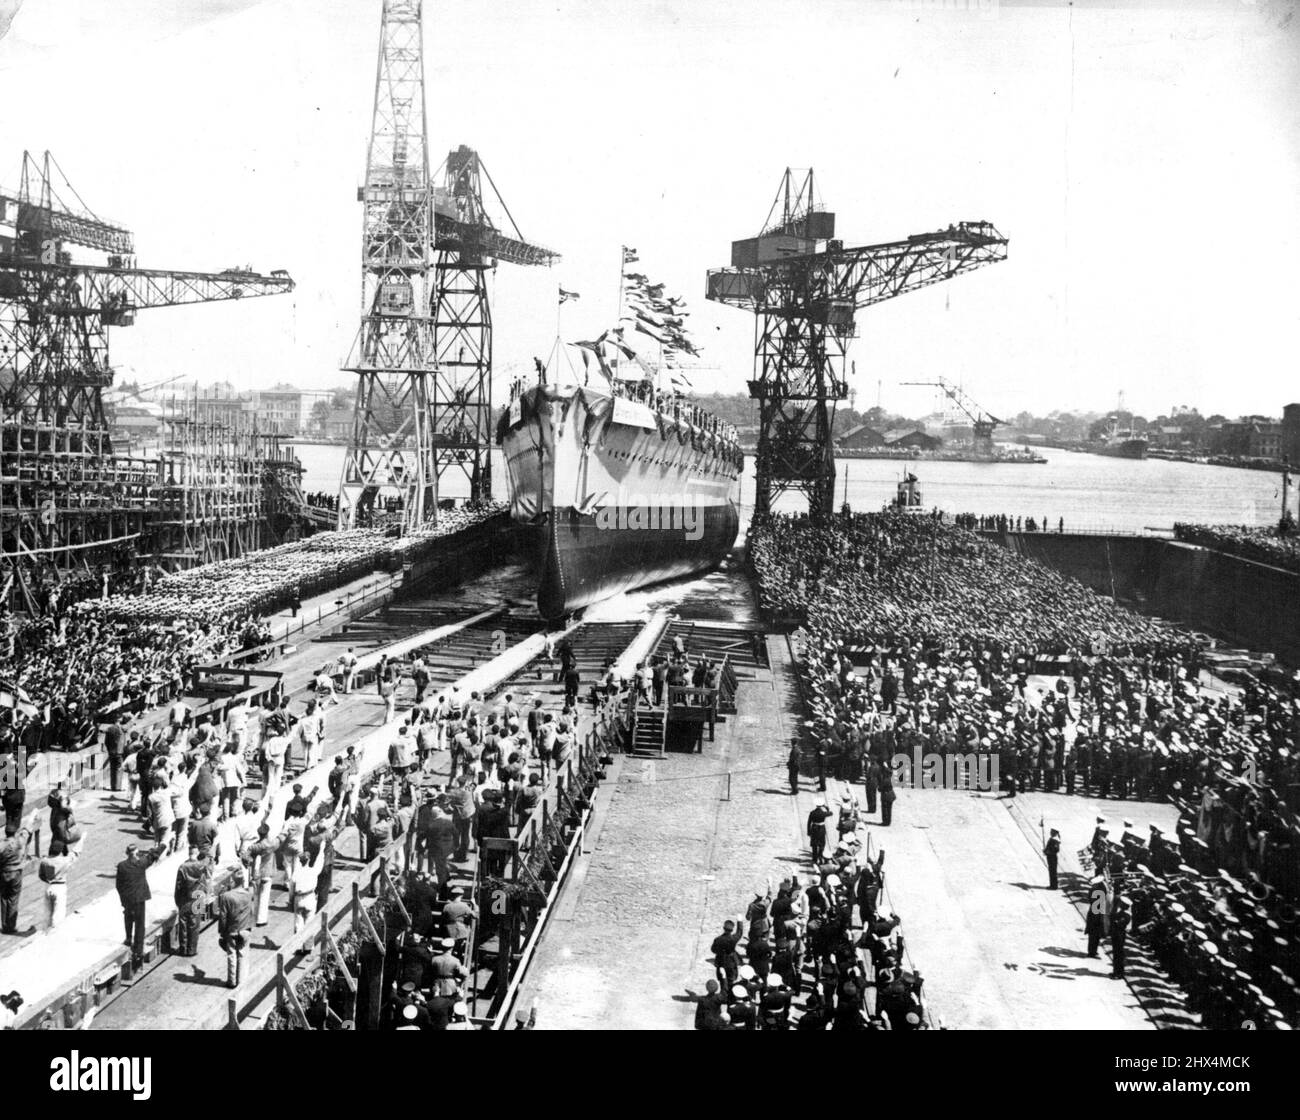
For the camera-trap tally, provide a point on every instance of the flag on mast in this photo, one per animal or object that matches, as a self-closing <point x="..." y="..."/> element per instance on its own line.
<point x="629" y="256"/>
<point x="565" y="296"/>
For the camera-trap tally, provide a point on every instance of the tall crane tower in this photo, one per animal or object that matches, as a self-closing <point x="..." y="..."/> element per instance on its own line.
<point x="467" y="246"/>
<point x="805" y="288"/>
<point x="55" y="314"/>
<point x="423" y="355"/>
<point x="982" y="423"/>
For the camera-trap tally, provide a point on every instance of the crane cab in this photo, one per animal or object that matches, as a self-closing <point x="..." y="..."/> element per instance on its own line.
<point x="395" y="297"/>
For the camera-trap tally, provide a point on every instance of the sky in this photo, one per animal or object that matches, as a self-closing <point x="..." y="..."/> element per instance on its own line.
<point x="1143" y="159"/>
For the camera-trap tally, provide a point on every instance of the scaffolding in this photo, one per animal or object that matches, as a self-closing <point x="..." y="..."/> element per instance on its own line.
<point x="67" y="505"/>
<point x="74" y="511"/>
<point x="225" y="489"/>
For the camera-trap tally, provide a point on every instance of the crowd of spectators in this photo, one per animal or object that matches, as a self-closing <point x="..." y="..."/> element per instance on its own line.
<point x="1265" y="544"/>
<point x="888" y="578"/>
<point x="919" y="636"/>
<point x="74" y="667"/>
<point x="322" y="500"/>
<point x="75" y="673"/>
<point x="819" y="957"/>
<point x="1004" y="523"/>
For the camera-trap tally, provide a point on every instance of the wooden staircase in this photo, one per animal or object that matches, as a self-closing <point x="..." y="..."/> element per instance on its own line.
<point x="647" y="735"/>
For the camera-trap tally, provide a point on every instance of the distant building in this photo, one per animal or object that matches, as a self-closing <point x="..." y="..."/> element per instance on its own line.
<point x="914" y="438"/>
<point x="859" y="438"/>
<point x="1264" y="441"/>
<point x="279" y="409"/>
<point x="1168" y="436"/>
<point x="1291" y="433"/>
<point x="338" y="424"/>
<point x="135" y="421"/>
<point x="1255" y="437"/>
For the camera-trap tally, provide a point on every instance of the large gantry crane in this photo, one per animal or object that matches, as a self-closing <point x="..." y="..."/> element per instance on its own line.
<point x="805" y="288"/>
<point x="55" y="314"/>
<point x="983" y="424"/>
<point x="68" y="498"/>
<point x="423" y="355"/>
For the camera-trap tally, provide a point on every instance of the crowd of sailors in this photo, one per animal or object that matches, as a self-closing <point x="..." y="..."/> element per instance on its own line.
<point x="919" y="637"/>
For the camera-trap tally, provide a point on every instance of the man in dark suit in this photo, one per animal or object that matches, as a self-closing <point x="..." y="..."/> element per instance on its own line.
<point x="133" y="892"/>
<point x="193" y="885"/>
<point x="234" y="922"/>
<point x="13" y="858"/>
<point x="114" y="737"/>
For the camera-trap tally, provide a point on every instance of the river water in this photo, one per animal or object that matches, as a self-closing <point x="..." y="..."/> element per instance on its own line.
<point x="1088" y="491"/>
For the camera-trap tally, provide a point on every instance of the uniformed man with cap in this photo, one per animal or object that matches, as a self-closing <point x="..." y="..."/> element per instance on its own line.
<point x="1098" y="909"/>
<point x="1052" y="850"/>
<point x="774" y="1005"/>
<point x="744" y="1015"/>
<point x="1120" y="919"/>
<point x="817" y="819"/>
<point x="456" y="916"/>
<point x="447" y="974"/>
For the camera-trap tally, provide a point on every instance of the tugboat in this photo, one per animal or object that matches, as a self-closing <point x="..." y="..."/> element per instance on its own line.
<point x="907" y="499"/>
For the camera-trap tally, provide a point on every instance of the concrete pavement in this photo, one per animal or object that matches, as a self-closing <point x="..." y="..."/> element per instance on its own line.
<point x="674" y="858"/>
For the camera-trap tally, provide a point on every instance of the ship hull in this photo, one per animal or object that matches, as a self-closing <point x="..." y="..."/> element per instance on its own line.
<point x="1123" y="449"/>
<point x="585" y="558"/>
<point x="619" y="496"/>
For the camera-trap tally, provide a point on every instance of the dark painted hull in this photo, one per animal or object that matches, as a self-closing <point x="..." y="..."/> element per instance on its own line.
<point x="589" y="557"/>
<point x="1123" y="449"/>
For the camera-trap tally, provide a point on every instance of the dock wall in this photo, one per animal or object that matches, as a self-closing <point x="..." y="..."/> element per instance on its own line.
<point x="1234" y="599"/>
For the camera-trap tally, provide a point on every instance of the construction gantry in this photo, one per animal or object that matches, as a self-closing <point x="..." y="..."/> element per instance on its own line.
<point x="805" y="288"/>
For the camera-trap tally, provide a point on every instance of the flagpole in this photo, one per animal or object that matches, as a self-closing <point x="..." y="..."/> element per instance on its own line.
<point x="618" y="315"/>
<point x="559" y="303"/>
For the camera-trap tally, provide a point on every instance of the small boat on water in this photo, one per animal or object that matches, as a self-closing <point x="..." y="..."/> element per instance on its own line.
<point x="907" y="498"/>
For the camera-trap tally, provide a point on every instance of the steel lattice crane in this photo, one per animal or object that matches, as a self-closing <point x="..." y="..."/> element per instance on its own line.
<point x="55" y="314"/>
<point x="805" y="288"/>
<point x="982" y="423"/>
<point x="423" y="355"/>
<point x="467" y="246"/>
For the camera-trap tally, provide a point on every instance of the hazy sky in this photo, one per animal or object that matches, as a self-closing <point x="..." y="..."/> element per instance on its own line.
<point x="1143" y="159"/>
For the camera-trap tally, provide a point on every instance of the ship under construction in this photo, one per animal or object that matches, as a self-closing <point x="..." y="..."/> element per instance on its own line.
<point x="74" y="505"/>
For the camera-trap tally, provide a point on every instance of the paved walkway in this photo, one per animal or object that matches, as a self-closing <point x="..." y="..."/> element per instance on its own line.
<point x="674" y="858"/>
<point x="181" y="993"/>
<point x="107" y="825"/>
